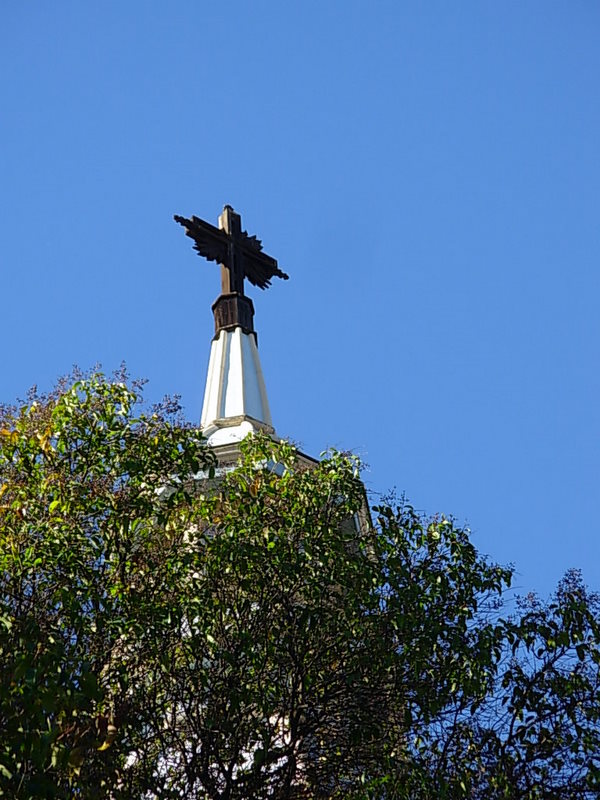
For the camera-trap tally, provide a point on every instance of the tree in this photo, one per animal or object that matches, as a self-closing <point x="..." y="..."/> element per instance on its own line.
<point x="168" y="630"/>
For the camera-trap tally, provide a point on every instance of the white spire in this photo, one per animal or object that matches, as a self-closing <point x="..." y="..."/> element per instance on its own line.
<point x="235" y="397"/>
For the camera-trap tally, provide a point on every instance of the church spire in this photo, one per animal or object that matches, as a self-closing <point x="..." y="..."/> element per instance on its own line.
<point x="235" y="397"/>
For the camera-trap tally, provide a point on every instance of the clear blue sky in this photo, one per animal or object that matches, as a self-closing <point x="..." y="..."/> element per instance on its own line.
<point x="427" y="173"/>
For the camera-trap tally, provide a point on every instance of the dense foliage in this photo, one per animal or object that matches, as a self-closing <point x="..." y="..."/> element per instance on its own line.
<point x="169" y="630"/>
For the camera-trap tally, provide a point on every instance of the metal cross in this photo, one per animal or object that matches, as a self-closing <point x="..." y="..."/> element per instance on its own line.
<point x="239" y="255"/>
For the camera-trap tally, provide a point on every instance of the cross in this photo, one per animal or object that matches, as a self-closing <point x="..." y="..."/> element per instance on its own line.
<point x="240" y="256"/>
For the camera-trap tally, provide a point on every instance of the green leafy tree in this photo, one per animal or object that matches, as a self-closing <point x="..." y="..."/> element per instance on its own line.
<point x="169" y="630"/>
<point x="82" y="485"/>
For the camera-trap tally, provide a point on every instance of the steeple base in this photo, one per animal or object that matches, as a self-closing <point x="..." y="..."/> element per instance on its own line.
<point x="231" y="310"/>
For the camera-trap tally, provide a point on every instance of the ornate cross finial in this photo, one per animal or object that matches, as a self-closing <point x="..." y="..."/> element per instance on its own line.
<point x="240" y="256"/>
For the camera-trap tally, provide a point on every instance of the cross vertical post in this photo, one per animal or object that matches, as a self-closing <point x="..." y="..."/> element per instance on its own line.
<point x="232" y="274"/>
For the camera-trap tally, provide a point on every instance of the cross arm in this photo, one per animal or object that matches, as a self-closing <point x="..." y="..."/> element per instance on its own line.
<point x="210" y="242"/>
<point x="259" y="268"/>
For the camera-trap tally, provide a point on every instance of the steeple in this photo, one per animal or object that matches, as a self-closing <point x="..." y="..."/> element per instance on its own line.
<point x="235" y="397"/>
